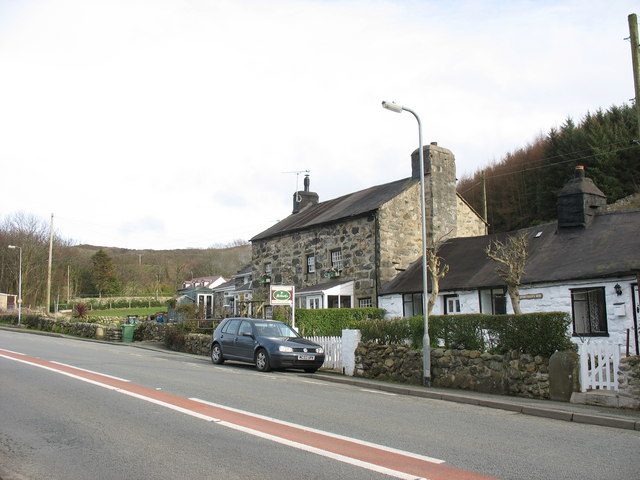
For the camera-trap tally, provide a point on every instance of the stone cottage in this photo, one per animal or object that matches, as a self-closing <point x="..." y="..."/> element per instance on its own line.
<point x="338" y="253"/>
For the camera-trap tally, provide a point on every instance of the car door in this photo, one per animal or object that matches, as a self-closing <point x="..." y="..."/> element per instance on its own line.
<point x="228" y="337"/>
<point x="245" y="340"/>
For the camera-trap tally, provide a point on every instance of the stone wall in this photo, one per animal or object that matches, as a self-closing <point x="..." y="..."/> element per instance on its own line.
<point x="629" y="380"/>
<point x="197" y="343"/>
<point x="469" y="223"/>
<point x="399" y="233"/>
<point x="514" y="373"/>
<point x="388" y="362"/>
<point x="287" y="255"/>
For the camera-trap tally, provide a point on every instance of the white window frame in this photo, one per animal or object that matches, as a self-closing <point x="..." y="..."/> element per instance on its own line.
<point x="311" y="263"/>
<point x="452" y="304"/>
<point x="365" y="302"/>
<point x="336" y="259"/>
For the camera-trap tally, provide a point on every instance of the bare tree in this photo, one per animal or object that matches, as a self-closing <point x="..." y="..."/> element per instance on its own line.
<point x="437" y="270"/>
<point x="512" y="258"/>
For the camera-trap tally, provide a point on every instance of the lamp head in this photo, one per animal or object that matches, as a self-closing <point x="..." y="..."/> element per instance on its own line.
<point x="392" y="106"/>
<point x="11" y="246"/>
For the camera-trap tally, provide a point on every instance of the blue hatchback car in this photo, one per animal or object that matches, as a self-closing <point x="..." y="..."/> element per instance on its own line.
<point x="266" y="343"/>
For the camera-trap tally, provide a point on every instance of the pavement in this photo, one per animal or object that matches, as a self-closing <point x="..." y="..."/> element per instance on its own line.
<point x="569" y="412"/>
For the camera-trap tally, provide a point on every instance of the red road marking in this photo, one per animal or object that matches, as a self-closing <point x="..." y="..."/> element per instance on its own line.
<point x="399" y="464"/>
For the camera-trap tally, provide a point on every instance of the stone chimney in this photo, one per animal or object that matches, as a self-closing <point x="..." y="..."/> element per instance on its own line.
<point x="579" y="201"/>
<point x="304" y="199"/>
<point x="440" y="189"/>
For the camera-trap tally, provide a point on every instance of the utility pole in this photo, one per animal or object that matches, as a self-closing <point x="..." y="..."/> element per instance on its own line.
<point x="49" y="270"/>
<point x="68" y="285"/>
<point x="484" y="198"/>
<point x="635" y="54"/>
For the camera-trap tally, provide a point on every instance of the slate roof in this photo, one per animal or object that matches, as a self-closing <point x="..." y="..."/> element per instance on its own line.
<point x="348" y="206"/>
<point x="609" y="247"/>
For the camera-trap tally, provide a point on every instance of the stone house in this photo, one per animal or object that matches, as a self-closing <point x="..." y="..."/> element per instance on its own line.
<point x="340" y="252"/>
<point x="585" y="263"/>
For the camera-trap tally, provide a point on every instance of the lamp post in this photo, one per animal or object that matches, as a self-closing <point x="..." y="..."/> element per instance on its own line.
<point x="426" y="351"/>
<point x="19" y="284"/>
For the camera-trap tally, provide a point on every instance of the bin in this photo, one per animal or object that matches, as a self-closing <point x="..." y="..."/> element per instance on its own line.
<point x="127" y="333"/>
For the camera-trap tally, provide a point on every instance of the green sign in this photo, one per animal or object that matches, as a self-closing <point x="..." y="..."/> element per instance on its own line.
<point x="281" y="295"/>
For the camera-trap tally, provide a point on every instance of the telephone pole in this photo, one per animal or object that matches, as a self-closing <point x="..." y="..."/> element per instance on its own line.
<point x="635" y="53"/>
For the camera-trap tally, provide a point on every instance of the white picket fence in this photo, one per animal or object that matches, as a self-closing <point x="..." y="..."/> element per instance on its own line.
<point x="599" y="364"/>
<point x="332" y="351"/>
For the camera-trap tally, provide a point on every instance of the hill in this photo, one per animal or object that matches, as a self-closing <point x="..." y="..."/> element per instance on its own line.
<point x="148" y="271"/>
<point x="522" y="188"/>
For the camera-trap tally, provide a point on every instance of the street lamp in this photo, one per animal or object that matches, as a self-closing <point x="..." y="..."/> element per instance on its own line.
<point x="19" y="284"/>
<point x="426" y="351"/>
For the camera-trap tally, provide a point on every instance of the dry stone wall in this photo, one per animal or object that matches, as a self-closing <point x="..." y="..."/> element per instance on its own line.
<point x="514" y="373"/>
<point x="629" y="381"/>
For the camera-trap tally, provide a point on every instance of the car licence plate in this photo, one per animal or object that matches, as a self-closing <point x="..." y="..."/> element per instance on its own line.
<point x="306" y="357"/>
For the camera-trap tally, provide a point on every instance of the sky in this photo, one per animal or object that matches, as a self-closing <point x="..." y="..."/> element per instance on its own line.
<point x="170" y="124"/>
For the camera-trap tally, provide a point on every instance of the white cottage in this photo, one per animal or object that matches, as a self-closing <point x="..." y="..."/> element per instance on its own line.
<point x="586" y="263"/>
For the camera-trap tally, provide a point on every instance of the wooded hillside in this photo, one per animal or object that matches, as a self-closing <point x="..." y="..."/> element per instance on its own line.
<point x="76" y="269"/>
<point x="522" y="188"/>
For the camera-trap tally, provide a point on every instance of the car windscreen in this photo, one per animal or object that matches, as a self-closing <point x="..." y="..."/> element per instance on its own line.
<point x="274" y="330"/>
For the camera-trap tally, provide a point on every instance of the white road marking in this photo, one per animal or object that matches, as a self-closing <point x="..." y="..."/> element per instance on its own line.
<point x="116" y="389"/>
<point x="324" y="453"/>
<point x="378" y="391"/>
<point x="321" y="432"/>
<point x="236" y="426"/>
<point x="91" y="371"/>
<point x="312" y="382"/>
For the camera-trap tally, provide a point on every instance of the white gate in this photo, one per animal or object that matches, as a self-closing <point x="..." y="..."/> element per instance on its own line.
<point x="599" y="366"/>
<point x="332" y="351"/>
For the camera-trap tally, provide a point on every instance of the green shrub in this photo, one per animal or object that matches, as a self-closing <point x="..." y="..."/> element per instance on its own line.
<point x="331" y="321"/>
<point x="532" y="333"/>
<point x="456" y="331"/>
<point x="396" y="330"/>
<point x="174" y="338"/>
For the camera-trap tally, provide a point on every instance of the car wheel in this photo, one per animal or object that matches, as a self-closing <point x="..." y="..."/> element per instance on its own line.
<point x="216" y="354"/>
<point x="310" y="370"/>
<point x="262" y="360"/>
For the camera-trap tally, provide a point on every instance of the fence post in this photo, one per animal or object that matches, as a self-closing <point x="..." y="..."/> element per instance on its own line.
<point x="350" y="340"/>
<point x="584" y="368"/>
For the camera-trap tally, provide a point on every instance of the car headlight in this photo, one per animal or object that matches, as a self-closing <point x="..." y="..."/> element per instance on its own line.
<point x="282" y="348"/>
<point x="319" y="350"/>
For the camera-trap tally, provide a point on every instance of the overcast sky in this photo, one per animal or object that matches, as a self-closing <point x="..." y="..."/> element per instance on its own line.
<point x="174" y="123"/>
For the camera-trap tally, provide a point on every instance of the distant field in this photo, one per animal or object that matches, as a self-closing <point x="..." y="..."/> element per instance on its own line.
<point x="123" y="312"/>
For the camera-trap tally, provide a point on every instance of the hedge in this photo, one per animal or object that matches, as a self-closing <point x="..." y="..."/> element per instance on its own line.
<point x="532" y="333"/>
<point x="327" y="321"/>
